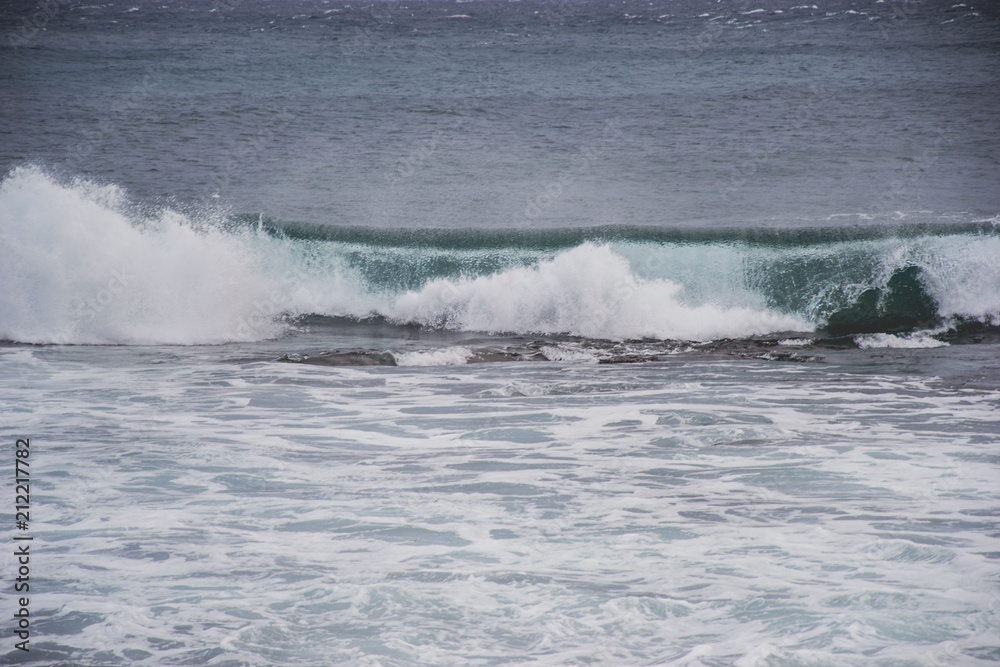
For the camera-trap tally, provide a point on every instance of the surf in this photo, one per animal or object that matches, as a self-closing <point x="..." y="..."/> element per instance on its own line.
<point x="83" y="264"/>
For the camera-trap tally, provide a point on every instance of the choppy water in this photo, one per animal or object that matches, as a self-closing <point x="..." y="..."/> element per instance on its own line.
<point x="485" y="332"/>
<point x="201" y="508"/>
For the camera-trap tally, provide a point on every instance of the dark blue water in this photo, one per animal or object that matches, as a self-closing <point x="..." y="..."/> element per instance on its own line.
<point x="486" y="114"/>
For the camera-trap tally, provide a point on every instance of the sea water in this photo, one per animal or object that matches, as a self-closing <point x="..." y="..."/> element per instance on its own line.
<point x="485" y="332"/>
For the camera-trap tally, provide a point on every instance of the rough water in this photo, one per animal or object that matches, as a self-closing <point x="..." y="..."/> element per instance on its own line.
<point x="484" y="332"/>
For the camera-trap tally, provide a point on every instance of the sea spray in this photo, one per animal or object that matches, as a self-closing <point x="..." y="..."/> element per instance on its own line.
<point x="82" y="264"/>
<point x="79" y="266"/>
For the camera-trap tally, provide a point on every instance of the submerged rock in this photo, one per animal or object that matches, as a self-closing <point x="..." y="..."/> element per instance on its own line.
<point x="343" y="359"/>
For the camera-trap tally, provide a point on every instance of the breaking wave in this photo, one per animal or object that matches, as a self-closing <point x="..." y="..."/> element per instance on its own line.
<point x="82" y="264"/>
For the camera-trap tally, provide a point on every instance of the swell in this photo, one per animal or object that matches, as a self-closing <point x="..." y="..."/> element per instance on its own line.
<point x="84" y="265"/>
<point x="847" y="229"/>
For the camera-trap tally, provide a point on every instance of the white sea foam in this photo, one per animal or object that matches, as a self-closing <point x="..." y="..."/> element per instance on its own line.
<point x="590" y="291"/>
<point x="77" y="269"/>
<point x="446" y="356"/>
<point x="83" y="265"/>
<point x="962" y="274"/>
<point x="795" y="342"/>
<point x="701" y="512"/>
<point x="569" y="353"/>
<point x="918" y="339"/>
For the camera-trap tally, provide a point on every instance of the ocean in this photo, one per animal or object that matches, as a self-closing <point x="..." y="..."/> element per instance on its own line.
<point x="489" y="332"/>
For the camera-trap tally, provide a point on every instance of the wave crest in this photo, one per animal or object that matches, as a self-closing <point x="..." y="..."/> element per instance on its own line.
<point x="78" y="268"/>
<point x="82" y="265"/>
<point x="588" y="291"/>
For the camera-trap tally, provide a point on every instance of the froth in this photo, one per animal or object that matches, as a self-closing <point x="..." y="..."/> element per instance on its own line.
<point x="81" y="265"/>
<point x="449" y="356"/>
<point x="78" y="268"/>
<point x="963" y="274"/>
<point x="918" y="339"/>
<point x="589" y="291"/>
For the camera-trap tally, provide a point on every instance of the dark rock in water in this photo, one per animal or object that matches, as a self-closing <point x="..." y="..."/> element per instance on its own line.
<point x="750" y="442"/>
<point x="627" y="359"/>
<point x="902" y="306"/>
<point x="966" y="331"/>
<point x="489" y="355"/>
<point x="758" y="348"/>
<point x="343" y="359"/>
<point x="353" y="359"/>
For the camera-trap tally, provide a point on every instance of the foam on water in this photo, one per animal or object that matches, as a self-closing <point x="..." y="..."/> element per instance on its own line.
<point x="80" y="267"/>
<point x="590" y="291"/>
<point x="795" y="342"/>
<point x="555" y="513"/>
<point x="569" y="353"/>
<point x="448" y="356"/>
<point x="84" y="265"/>
<point x="919" y="339"/>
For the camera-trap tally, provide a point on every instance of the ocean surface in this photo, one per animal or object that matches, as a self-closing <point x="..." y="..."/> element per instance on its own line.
<point x="488" y="332"/>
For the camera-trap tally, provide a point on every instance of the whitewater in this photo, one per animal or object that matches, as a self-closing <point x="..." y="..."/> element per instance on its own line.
<point x="85" y="265"/>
